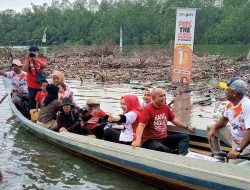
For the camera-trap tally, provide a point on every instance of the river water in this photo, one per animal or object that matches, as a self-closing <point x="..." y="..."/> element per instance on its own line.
<point x="28" y="162"/>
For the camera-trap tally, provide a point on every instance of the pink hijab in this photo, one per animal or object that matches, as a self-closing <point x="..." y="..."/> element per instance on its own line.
<point x="132" y="103"/>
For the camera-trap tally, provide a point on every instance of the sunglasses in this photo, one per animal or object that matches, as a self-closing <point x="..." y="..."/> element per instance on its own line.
<point x="95" y="106"/>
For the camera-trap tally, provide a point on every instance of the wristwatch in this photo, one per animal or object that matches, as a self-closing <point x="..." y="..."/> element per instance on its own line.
<point x="238" y="149"/>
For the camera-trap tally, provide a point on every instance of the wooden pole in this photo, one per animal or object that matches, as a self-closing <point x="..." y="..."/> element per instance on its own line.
<point x="3" y="98"/>
<point x="1" y="176"/>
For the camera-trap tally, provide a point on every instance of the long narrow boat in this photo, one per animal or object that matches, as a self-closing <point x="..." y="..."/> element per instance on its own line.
<point x="158" y="168"/>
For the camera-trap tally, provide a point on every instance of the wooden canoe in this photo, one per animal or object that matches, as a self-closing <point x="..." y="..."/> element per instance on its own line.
<point x="167" y="171"/>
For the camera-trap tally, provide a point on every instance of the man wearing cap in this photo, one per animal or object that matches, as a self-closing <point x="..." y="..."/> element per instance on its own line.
<point x="18" y="80"/>
<point x="32" y="65"/>
<point x="237" y="113"/>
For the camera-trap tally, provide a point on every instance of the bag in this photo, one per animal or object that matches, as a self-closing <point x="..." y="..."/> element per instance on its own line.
<point x="40" y="76"/>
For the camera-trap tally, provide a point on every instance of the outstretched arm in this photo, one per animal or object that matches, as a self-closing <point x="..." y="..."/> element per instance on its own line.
<point x="117" y="118"/>
<point x="26" y="62"/>
<point x="180" y="124"/>
<point x="222" y="122"/>
<point x="3" y="73"/>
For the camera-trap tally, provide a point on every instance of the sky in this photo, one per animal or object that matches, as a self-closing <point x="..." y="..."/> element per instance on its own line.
<point x="18" y="5"/>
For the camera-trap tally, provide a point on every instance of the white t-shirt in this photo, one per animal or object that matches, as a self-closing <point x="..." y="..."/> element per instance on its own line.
<point x="239" y="118"/>
<point x="127" y="134"/>
<point x="18" y="81"/>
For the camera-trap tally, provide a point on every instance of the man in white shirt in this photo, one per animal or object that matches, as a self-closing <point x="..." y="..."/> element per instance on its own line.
<point x="18" y="80"/>
<point x="237" y="113"/>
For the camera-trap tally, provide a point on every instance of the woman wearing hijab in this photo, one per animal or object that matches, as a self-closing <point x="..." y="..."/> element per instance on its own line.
<point x="59" y="80"/>
<point x="124" y="132"/>
<point x="47" y="114"/>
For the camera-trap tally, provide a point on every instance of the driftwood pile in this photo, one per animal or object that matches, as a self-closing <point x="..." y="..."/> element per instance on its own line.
<point x="106" y="64"/>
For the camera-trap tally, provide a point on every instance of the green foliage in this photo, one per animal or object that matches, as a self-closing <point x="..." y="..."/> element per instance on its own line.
<point x="143" y="22"/>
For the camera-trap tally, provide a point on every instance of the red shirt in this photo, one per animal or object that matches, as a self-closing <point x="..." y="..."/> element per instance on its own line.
<point x="40" y="96"/>
<point x="31" y="76"/>
<point x="155" y="120"/>
<point x="93" y="121"/>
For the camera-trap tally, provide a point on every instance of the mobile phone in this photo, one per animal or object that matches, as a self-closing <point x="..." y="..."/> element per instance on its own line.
<point x="96" y="106"/>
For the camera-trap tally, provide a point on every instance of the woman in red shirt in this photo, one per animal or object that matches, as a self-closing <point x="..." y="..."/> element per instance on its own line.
<point x="94" y="118"/>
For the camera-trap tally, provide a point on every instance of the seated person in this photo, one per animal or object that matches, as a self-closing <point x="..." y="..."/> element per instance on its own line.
<point x="68" y="118"/>
<point x="233" y="128"/>
<point x="58" y="79"/>
<point x="152" y="129"/>
<point x="92" y="117"/>
<point x="63" y="93"/>
<point x="131" y="113"/>
<point x="146" y="97"/>
<point x="41" y="95"/>
<point x="18" y="80"/>
<point x="47" y="114"/>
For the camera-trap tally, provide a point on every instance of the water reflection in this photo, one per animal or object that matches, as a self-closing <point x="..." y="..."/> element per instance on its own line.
<point x="31" y="163"/>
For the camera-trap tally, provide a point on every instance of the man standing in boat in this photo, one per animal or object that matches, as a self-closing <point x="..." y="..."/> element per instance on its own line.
<point x="237" y="113"/>
<point x="33" y="64"/>
<point x="152" y="133"/>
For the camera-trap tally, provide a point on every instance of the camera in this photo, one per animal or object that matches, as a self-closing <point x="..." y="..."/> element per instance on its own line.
<point x="32" y="54"/>
<point x="95" y="106"/>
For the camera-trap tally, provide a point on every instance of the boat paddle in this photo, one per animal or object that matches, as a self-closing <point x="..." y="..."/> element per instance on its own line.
<point x="1" y="176"/>
<point x="3" y="98"/>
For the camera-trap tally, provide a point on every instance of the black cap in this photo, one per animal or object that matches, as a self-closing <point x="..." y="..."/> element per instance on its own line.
<point x="67" y="101"/>
<point x="33" y="48"/>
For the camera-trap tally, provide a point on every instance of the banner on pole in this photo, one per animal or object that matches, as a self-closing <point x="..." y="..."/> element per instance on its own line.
<point x="183" y="48"/>
<point x="44" y="36"/>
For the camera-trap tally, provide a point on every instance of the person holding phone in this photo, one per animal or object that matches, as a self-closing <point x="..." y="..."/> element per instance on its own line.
<point x="92" y="115"/>
<point x="32" y="65"/>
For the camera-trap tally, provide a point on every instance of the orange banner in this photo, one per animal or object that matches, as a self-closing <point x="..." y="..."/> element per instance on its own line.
<point x="183" y="51"/>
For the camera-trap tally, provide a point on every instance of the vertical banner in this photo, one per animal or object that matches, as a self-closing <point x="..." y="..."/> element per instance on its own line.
<point x="183" y="48"/>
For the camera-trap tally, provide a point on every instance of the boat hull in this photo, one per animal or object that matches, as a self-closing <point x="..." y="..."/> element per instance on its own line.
<point x="158" y="168"/>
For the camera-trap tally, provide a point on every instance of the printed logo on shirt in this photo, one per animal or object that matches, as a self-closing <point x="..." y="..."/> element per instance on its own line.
<point x="160" y="122"/>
